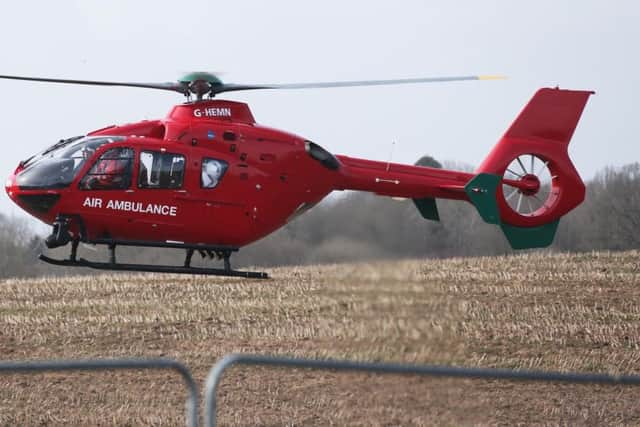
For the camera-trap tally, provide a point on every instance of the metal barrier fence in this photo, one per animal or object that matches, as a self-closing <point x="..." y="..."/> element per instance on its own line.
<point x="215" y="375"/>
<point x="115" y="364"/>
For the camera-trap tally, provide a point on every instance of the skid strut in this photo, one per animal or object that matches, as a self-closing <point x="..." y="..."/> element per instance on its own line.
<point x="223" y="252"/>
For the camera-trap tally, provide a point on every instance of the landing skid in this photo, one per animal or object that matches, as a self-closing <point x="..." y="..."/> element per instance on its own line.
<point x="81" y="262"/>
<point x="221" y="252"/>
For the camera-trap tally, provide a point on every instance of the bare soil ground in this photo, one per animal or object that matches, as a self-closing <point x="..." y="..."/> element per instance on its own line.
<point x="533" y="311"/>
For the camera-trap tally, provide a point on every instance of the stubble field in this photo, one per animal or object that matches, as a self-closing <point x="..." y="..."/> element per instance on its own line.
<point x="532" y="311"/>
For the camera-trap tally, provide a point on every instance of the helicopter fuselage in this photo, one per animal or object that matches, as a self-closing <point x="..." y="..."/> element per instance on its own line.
<point x="269" y="178"/>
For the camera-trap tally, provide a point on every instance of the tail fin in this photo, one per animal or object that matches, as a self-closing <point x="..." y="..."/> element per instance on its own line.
<point x="527" y="182"/>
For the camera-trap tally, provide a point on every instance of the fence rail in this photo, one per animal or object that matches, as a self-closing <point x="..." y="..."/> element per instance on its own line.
<point x="114" y="364"/>
<point x="215" y="375"/>
<point x="217" y="371"/>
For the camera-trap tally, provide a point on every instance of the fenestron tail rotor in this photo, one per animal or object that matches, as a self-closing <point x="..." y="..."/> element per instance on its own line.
<point x="534" y="199"/>
<point x="201" y="84"/>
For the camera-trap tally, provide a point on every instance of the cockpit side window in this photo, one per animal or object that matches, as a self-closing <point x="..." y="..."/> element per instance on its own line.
<point x="112" y="171"/>
<point x="161" y="170"/>
<point x="212" y="172"/>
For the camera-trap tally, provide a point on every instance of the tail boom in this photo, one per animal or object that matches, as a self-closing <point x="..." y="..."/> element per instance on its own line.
<point x="397" y="180"/>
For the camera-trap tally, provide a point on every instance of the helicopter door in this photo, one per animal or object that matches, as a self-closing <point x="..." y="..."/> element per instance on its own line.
<point x="221" y="204"/>
<point x="160" y="183"/>
<point x="105" y="195"/>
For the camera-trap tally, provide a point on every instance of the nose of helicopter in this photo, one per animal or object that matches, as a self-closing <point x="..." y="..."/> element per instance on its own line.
<point x="13" y="190"/>
<point x="9" y="186"/>
<point x="36" y="203"/>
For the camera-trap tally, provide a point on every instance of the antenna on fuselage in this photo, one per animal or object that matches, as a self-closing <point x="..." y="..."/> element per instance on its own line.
<point x="393" y="144"/>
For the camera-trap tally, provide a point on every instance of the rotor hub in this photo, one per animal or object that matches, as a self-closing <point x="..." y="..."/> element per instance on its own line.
<point x="531" y="184"/>
<point x="200" y="84"/>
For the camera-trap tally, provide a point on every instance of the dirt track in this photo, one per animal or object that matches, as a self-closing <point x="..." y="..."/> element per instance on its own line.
<point x="535" y="311"/>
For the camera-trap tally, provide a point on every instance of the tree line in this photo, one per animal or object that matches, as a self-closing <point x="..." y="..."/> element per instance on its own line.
<point x="361" y="226"/>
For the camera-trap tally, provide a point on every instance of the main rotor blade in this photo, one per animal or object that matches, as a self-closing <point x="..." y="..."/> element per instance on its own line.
<point x="355" y="83"/>
<point x="176" y="87"/>
<point x="201" y="84"/>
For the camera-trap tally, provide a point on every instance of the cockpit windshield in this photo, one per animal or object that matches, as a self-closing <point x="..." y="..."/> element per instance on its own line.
<point x="57" y="166"/>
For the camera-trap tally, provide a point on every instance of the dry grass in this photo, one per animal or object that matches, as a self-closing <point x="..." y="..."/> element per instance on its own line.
<point x="540" y="311"/>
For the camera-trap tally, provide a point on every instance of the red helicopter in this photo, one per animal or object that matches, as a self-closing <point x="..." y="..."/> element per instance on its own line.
<point x="207" y="178"/>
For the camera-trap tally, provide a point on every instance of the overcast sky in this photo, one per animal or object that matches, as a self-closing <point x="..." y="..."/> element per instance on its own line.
<point x="578" y="45"/>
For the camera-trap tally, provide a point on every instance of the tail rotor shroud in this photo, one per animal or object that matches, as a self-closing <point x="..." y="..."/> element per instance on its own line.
<point x="528" y="182"/>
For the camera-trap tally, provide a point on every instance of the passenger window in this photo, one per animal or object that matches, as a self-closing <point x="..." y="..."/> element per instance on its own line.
<point x="112" y="171"/>
<point x="161" y="170"/>
<point x="212" y="172"/>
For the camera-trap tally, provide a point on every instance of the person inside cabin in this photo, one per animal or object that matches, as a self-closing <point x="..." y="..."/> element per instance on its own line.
<point x="112" y="170"/>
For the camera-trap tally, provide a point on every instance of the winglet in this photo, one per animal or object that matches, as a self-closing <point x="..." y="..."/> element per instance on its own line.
<point x="428" y="208"/>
